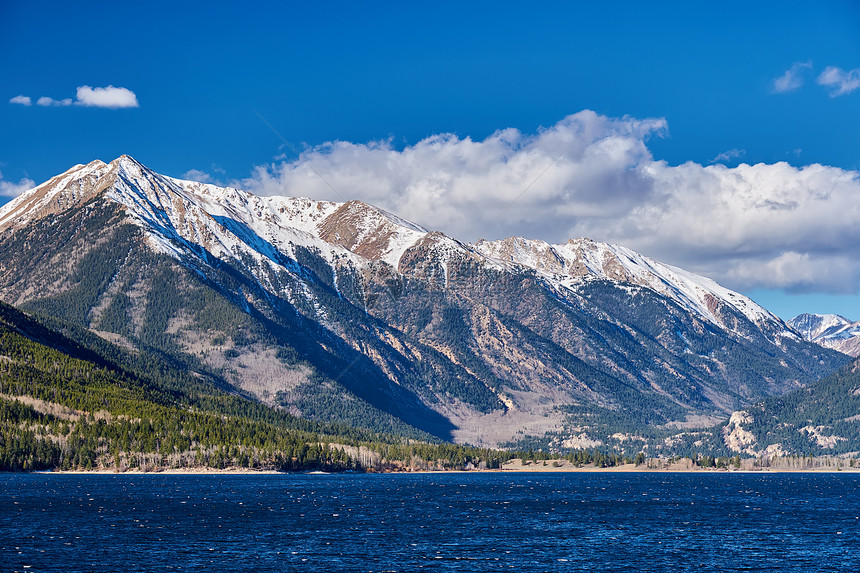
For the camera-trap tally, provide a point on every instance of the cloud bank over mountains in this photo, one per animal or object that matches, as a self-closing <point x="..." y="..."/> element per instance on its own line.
<point x="750" y="226"/>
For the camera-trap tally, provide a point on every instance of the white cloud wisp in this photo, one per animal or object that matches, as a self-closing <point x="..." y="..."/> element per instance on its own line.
<point x="45" y="101"/>
<point x="792" y="79"/>
<point x="750" y="226"/>
<point x="839" y="80"/>
<point x="21" y="100"/>
<point x="729" y="155"/>
<point x="109" y="98"/>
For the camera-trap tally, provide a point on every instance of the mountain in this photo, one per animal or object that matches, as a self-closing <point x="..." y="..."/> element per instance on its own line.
<point x="830" y="331"/>
<point x="345" y="312"/>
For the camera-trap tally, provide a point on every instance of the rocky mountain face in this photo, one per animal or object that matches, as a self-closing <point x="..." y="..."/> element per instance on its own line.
<point x="342" y="311"/>
<point x="830" y="331"/>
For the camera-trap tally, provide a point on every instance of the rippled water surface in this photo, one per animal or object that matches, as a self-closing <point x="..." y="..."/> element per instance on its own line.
<point x="435" y="522"/>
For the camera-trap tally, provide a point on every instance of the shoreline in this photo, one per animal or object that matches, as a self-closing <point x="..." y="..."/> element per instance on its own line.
<point x="511" y="467"/>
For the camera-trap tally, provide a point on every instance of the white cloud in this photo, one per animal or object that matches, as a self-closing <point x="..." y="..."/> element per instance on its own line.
<point x="792" y="79"/>
<point x="841" y="81"/>
<point x="729" y="155"/>
<point x="197" y="175"/>
<point x="109" y="97"/>
<point x="12" y="189"/>
<point x="207" y="176"/>
<point x="750" y="226"/>
<point x="45" y="101"/>
<point x="799" y="272"/>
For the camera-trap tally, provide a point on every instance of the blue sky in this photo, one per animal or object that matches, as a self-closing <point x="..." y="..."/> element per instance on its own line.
<point x="677" y="84"/>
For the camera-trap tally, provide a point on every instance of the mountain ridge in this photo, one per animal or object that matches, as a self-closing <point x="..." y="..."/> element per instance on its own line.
<point x="374" y="234"/>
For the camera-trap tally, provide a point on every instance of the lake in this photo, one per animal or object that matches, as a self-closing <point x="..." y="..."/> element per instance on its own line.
<point x="431" y="522"/>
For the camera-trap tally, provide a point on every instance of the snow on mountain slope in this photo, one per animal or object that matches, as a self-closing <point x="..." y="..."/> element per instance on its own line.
<point x="74" y="187"/>
<point x="829" y="330"/>
<point x="267" y="223"/>
<point x="582" y="259"/>
<point x="189" y="220"/>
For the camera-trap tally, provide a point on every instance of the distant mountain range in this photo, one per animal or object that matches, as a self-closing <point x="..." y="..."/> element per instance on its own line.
<point x="830" y="331"/>
<point x="344" y="312"/>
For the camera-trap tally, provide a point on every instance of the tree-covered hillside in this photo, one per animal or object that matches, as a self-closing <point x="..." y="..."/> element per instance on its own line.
<point x="64" y="405"/>
<point x="822" y="418"/>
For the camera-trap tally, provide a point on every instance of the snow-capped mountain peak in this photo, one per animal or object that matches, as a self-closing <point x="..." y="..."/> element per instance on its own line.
<point x="69" y="189"/>
<point x="829" y="330"/>
<point x="811" y="325"/>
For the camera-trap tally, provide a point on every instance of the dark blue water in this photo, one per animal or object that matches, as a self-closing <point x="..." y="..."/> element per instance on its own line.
<point x="435" y="522"/>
